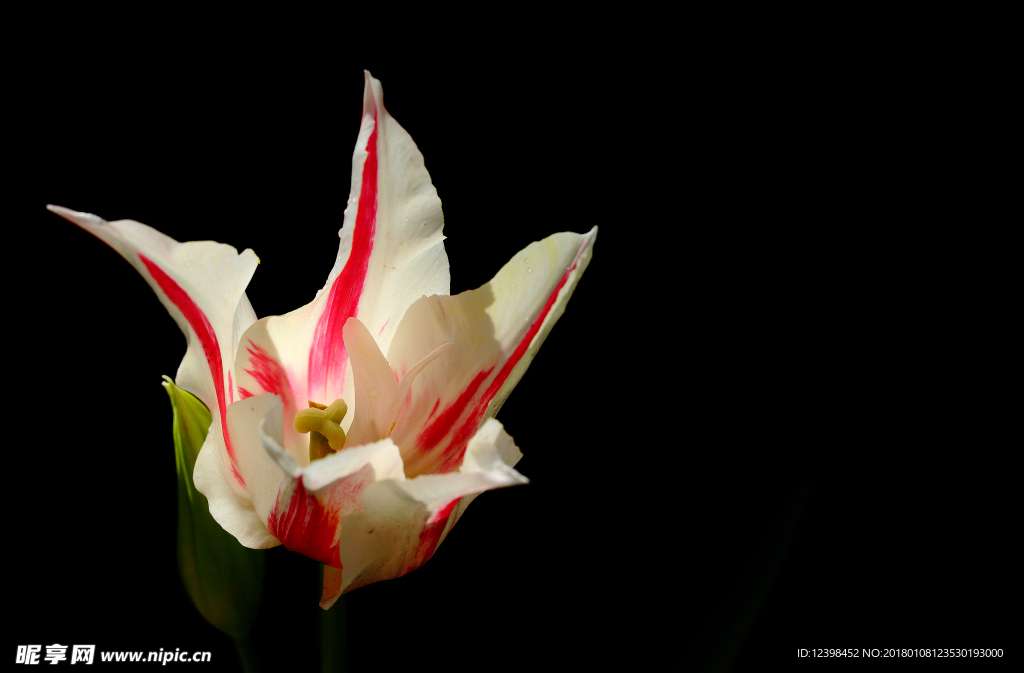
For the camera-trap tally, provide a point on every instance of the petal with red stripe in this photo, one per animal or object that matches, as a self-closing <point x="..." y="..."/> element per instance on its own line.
<point x="202" y="285"/>
<point x="403" y="521"/>
<point x="307" y="511"/>
<point x="497" y="330"/>
<point x="391" y="254"/>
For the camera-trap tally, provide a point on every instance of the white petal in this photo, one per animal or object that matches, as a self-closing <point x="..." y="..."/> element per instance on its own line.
<point x="391" y="254"/>
<point x="405" y="385"/>
<point x="306" y="511"/>
<point x="376" y="389"/>
<point x="491" y="450"/>
<point x="238" y="513"/>
<point x="231" y="508"/>
<point x="403" y="521"/>
<point x="381" y="457"/>
<point x="202" y="285"/>
<point x="497" y="330"/>
<point x="378" y="397"/>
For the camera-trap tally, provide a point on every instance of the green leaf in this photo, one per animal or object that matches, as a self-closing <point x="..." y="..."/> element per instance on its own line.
<point x="223" y="578"/>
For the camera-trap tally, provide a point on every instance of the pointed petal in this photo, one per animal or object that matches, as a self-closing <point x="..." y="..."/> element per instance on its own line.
<point x="497" y="330"/>
<point x="376" y="389"/>
<point x="403" y="521"/>
<point x="202" y="285"/>
<point x="391" y="254"/>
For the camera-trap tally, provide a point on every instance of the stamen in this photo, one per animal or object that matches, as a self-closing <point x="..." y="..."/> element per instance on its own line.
<point x="323" y="425"/>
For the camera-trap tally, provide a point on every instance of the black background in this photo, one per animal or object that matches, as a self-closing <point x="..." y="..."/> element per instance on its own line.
<point x="765" y="422"/>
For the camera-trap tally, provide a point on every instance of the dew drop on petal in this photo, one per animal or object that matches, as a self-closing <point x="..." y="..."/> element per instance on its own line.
<point x="373" y="392"/>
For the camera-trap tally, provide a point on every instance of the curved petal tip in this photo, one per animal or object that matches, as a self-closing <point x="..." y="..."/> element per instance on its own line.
<point x="373" y="95"/>
<point x="81" y="219"/>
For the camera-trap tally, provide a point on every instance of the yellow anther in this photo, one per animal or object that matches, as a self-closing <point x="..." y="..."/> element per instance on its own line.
<point x="322" y="424"/>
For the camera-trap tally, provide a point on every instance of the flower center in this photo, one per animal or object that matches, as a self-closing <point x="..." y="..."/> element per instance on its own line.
<point x="323" y="425"/>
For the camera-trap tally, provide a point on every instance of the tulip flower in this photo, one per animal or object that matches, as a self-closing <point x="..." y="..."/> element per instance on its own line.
<point x="356" y="429"/>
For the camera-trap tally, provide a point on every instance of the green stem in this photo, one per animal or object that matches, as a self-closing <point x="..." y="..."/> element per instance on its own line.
<point x="333" y="642"/>
<point x="247" y="654"/>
